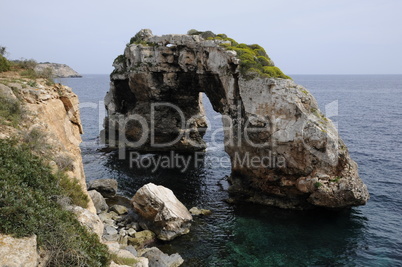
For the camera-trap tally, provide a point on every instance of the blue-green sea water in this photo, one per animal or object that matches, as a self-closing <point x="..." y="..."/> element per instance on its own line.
<point x="369" y="119"/>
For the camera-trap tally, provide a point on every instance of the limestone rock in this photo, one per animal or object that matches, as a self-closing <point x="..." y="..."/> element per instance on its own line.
<point x="106" y="187"/>
<point x="274" y="132"/>
<point x="159" y="259"/>
<point x="7" y="92"/>
<point x="98" y="200"/>
<point x="161" y="211"/>
<point x="18" y="252"/>
<point x="88" y="219"/>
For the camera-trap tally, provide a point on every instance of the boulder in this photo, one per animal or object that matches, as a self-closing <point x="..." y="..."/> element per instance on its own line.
<point x="98" y="200"/>
<point x="161" y="211"/>
<point x="107" y="187"/>
<point x="159" y="259"/>
<point x="18" y="252"/>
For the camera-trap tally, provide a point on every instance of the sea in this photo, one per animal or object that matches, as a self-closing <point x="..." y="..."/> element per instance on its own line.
<point x="367" y="110"/>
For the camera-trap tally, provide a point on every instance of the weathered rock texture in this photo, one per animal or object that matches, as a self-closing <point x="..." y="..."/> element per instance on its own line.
<point x="161" y="211"/>
<point x="18" y="252"/>
<point x="58" y="70"/>
<point x="284" y="151"/>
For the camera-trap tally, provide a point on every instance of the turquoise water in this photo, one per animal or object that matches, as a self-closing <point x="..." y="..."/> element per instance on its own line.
<point x="370" y="122"/>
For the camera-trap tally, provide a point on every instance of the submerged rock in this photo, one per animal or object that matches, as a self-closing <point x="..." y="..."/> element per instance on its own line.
<point x="196" y="211"/>
<point x="161" y="211"/>
<point x="275" y="134"/>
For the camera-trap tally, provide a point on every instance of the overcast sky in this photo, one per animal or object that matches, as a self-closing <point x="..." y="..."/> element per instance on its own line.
<point x="301" y="36"/>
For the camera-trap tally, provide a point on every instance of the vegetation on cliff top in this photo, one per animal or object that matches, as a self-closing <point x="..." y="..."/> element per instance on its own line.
<point x="254" y="61"/>
<point x="28" y="206"/>
<point x="25" y="68"/>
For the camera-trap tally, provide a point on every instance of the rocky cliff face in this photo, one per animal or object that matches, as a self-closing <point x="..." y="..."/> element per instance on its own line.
<point x="52" y="123"/>
<point x="58" y="70"/>
<point x="284" y="151"/>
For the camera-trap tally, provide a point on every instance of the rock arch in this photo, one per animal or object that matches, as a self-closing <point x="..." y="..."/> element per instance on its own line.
<point x="284" y="151"/>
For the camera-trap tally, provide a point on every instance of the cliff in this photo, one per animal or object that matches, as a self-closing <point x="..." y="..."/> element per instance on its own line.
<point x="58" y="70"/>
<point x="40" y="134"/>
<point x="284" y="151"/>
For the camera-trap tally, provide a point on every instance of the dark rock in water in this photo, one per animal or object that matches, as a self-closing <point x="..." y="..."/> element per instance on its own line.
<point x="162" y="212"/>
<point x="159" y="259"/>
<point x="107" y="187"/>
<point x="284" y="152"/>
<point x="98" y="200"/>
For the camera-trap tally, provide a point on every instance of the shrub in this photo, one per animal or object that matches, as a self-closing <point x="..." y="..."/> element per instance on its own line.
<point x="26" y="64"/>
<point x="26" y="208"/>
<point x="36" y="141"/>
<point x="72" y="189"/>
<point x="4" y="64"/>
<point x="254" y="60"/>
<point x="318" y="184"/>
<point x="192" y="32"/>
<point x="11" y="111"/>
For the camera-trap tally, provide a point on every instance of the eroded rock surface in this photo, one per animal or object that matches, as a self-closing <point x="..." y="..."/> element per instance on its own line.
<point x="284" y="151"/>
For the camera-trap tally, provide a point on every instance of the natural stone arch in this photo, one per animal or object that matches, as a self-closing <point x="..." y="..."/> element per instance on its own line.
<point x="265" y="119"/>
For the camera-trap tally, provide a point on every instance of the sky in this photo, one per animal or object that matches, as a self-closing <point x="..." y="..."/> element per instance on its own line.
<point x="301" y="36"/>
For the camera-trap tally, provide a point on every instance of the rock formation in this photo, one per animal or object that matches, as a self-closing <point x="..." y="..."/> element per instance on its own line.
<point x="58" y="70"/>
<point x="161" y="211"/>
<point x="284" y="151"/>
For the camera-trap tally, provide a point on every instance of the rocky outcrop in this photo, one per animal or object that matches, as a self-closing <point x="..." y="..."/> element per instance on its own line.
<point x="106" y="187"/>
<point x="58" y="70"/>
<point x="161" y="212"/>
<point x="18" y="252"/>
<point x="284" y="151"/>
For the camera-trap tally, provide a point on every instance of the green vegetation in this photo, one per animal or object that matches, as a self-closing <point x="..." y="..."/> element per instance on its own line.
<point x="11" y="111"/>
<point x="254" y="61"/>
<point x="336" y="180"/>
<point x="123" y="261"/>
<point x="72" y="189"/>
<point x="4" y="64"/>
<point x="27" y="207"/>
<point x="26" y="68"/>
<point x="318" y="184"/>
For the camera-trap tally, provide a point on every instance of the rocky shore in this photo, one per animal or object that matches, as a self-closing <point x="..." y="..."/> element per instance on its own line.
<point x="50" y="125"/>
